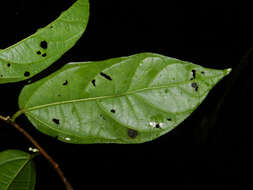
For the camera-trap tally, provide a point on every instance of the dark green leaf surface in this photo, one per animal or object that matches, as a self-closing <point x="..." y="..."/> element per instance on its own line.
<point x="17" y="171"/>
<point x="123" y="100"/>
<point x="35" y="53"/>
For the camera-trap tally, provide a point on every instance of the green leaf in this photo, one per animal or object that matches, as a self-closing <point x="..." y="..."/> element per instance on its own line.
<point x="35" y="53"/>
<point x="17" y="171"/>
<point x="123" y="100"/>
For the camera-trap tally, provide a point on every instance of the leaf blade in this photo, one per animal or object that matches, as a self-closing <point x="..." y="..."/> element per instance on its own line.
<point x="38" y="51"/>
<point x="122" y="100"/>
<point x="17" y="171"/>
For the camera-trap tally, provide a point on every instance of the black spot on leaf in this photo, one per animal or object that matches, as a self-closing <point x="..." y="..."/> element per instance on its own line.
<point x="56" y="121"/>
<point x="44" y="55"/>
<point x="113" y="110"/>
<point x="38" y="52"/>
<point x="94" y="82"/>
<point x="132" y="133"/>
<point x="169" y="119"/>
<point x="195" y="86"/>
<point x="105" y="76"/>
<point x="202" y="72"/>
<point x="43" y="44"/>
<point x="27" y="74"/>
<point x="158" y="126"/>
<point x="65" y="83"/>
<point x="8" y="65"/>
<point x="193" y="74"/>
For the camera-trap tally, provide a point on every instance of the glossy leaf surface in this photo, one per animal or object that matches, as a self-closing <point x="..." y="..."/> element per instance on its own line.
<point x="35" y="53"/>
<point x="17" y="171"/>
<point x="123" y="100"/>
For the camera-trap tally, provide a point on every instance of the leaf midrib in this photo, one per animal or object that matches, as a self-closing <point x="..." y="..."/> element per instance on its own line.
<point x="24" y="110"/>
<point x="102" y="97"/>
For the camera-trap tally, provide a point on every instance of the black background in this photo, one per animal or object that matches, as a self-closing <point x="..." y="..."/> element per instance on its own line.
<point x="210" y="149"/>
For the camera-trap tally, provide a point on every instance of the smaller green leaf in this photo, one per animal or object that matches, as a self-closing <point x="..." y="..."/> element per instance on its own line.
<point x="17" y="171"/>
<point x="38" y="51"/>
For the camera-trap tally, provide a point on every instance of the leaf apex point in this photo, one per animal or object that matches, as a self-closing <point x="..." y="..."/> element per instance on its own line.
<point x="227" y="71"/>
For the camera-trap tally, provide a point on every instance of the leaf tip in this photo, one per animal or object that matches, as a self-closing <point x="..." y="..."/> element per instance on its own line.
<point x="227" y="71"/>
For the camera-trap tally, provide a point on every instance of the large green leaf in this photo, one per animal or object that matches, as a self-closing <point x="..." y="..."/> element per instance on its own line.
<point x="17" y="171"/>
<point x="35" y="53"/>
<point x="123" y="100"/>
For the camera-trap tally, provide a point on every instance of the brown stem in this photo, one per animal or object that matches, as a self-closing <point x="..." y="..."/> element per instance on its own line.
<point x="42" y="151"/>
